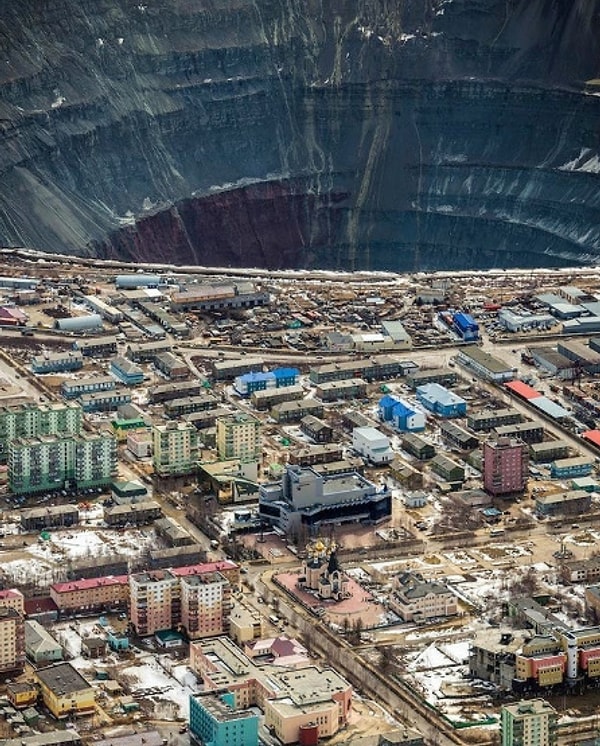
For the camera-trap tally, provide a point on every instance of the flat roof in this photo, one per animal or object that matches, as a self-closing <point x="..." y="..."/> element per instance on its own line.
<point x="62" y="679"/>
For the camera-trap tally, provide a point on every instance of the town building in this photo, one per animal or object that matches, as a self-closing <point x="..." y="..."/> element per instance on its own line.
<point x="54" y="516"/>
<point x="505" y="466"/>
<point x="465" y="326"/>
<point x="65" y="692"/>
<point x="457" y="437"/>
<point x="96" y="347"/>
<point x="125" y="371"/>
<point x="107" y="401"/>
<point x="447" y="468"/>
<point x="305" y="497"/>
<point x="73" y="388"/>
<point x="406" y="474"/>
<point x="485" y="365"/>
<point x="245" y="624"/>
<point x="531" y="722"/>
<point x="569" y="503"/>
<point x="205" y="604"/>
<point x="417" y="446"/>
<point x="493" y="653"/>
<point x="171" y="366"/>
<point x="376" y="368"/>
<point x="30" y="420"/>
<point x="487" y="419"/>
<point x="238" y="437"/>
<point x="528" y="432"/>
<point x="217" y="297"/>
<point x="145" y="352"/>
<point x="247" y="383"/>
<point x="570" y="468"/>
<point x="215" y="720"/>
<point x="227" y="370"/>
<point x="132" y="514"/>
<point x="121" y="427"/>
<point x="51" y="462"/>
<point x="12" y="639"/>
<point x="294" y="411"/>
<point x="316" y="429"/>
<point x="91" y="595"/>
<point x="372" y="445"/>
<point x="175" y="449"/>
<point x="402" y="415"/>
<point x="139" y="443"/>
<point x="57" y="362"/>
<point x="580" y="570"/>
<point x="441" y="401"/>
<point x="415" y="599"/>
<point x="442" y="376"/>
<point x="195" y="598"/>
<point x="79" y="324"/>
<point x="326" y="453"/>
<point x="168" y="391"/>
<point x="549" y="450"/>
<point x="190" y="404"/>
<point x="40" y="646"/>
<point x="268" y="398"/>
<point x="351" y="388"/>
<point x="293" y="700"/>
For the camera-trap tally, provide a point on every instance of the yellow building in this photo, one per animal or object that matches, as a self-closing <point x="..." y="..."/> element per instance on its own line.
<point x="22" y="695"/>
<point x="65" y="692"/>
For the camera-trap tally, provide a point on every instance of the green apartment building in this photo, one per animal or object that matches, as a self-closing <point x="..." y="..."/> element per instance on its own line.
<point x="30" y="420"/>
<point x="55" y="462"/>
<point x="175" y="449"/>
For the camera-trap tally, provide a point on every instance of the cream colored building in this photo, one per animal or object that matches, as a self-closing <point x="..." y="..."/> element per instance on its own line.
<point x="290" y="699"/>
<point x="175" y="448"/>
<point x="14" y="599"/>
<point x="245" y="624"/>
<point x="238" y="437"/>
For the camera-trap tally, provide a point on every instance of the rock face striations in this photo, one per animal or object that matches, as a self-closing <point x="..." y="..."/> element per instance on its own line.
<point x="373" y="134"/>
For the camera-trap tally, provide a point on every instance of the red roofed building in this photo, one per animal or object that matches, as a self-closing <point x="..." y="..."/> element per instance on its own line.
<point x="91" y="594"/>
<point x="592" y="436"/>
<point x="522" y="390"/>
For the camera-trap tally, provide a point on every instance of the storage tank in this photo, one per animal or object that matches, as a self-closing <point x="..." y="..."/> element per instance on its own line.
<point x="308" y="735"/>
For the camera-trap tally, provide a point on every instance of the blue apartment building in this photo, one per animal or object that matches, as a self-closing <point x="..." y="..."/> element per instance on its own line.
<point x="569" y="468"/>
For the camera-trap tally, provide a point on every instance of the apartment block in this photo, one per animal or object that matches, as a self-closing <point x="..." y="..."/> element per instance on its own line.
<point x="199" y="601"/>
<point x="205" y="604"/>
<point x="12" y="631"/>
<point x="531" y="722"/>
<point x="91" y="594"/>
<point x="175" y="448"/>
<point x="51" y="462"/>
<point x="238" y="437"/>
<point x="505" y="466"/>
<point x="30" y="420"/>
